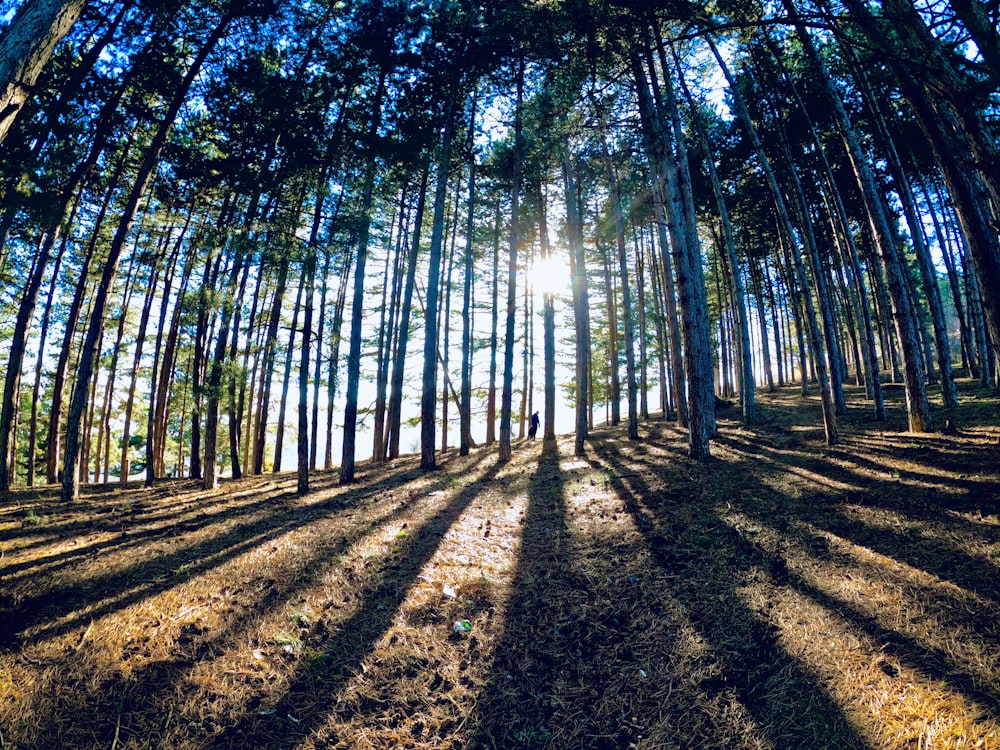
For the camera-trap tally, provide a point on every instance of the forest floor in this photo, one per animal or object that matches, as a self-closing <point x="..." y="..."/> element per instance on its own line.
<point x="782" y="594"/>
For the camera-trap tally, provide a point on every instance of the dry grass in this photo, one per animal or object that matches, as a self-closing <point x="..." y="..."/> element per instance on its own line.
<point x="783" y="594"/>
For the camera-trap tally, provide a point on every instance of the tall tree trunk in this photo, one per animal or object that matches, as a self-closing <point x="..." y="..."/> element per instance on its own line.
<point x="142" y="180"/>
<point x="26" y="46"/>
<point x="667" y="130"/>
<point x="670" y="218"/>
<point x="40" y="363"/>
<point x="358" y="303"/>
<point x="506" y="412"/>
<point x="104" y="420"/>
<point x="54" y="447"/>
<point x="153" y="438"/>
<point x="279" y="439"/>
<point x="816" y="266"/>
<point x="335" y="338"/>
<point x="465" y="432"/>
<point x="918" y="410"/>
<point x="659" y="305"/>
<point x="758" y="295"/>
<point x="403" y="335"/>
<point x="549" y="326"/>
<point x="614" y="378"/>
<point x="574" y="231"/>
<point x="318" y="367"/>
<point x="428" y="395"/>
<point x="199" y="360"/>
<point x="815" y="337"/>
<point x="767" y="283"/>
<point x="391" y="270"/>
<point x="444" y="315"/>
<point x="302" y="483"/>
<point x="640" y="289"/>
<point x="267" y="365"/>
<point x="928" y="275"/>
<point x="491" y="392"/>
<point x="746" y="376"/>
<point x="12" y="381"/>
<point x="960" y="135"/>
<point x="213" y="383"/>
<point x="615" y="198"/>
<point x="140" y="340"/>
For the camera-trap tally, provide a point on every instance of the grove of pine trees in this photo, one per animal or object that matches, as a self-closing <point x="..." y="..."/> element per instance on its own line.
<point x="215" y="215"/>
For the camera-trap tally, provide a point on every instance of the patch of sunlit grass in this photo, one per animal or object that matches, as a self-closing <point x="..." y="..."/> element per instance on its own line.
<point x="891" y="702"/>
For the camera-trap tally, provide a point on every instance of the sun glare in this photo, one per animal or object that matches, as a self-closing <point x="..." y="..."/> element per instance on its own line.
<point x="551" y="275"/>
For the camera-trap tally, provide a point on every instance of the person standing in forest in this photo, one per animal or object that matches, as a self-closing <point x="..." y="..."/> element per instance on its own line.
<point x="533" y="429"/>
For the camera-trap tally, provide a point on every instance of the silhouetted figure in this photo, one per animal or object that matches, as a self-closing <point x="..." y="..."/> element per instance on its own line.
<point x="533" y="429"/>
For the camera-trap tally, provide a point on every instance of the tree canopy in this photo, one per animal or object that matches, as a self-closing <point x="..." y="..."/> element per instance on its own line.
<point x="200" y="200"/>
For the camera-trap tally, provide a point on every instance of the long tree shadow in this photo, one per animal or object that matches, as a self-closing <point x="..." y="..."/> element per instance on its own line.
<point x="137" y="697"/>
<point x="934" y="555"/>
<point x="515" y="707"/>
<point x="687" y="541"/>
<point x="934" y="662"/>
<point x="313" y="691"/>
<point x="62" y="608"/>
<point x="598" y="649"/>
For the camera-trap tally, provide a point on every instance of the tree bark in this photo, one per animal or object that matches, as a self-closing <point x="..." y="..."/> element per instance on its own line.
<point x="26" y="46"/>
<point x="465" y="432"/>
<point x="506" y="412"/>
<point x="403" y="335"/>
<point x="574" y="231"/>
<point x="279" y="439"/>
<point x="357" y="306"/>
<point x="491" y="393"/>
<point x="428" y="396"/>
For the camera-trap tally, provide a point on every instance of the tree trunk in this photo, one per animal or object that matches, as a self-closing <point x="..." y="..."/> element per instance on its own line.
<point x="669" y="222"/>
<point x="267" y="365"/>
<point x="815" y="337"/>
<point x="390" y="294"/>
<point x="640" y="288"/>
<point x="335" y="338"/>
<point x="318" y="368"/>
<point x="927" y="273"/>
<point x="615" y="393"/>
<point x="615" y="198"/>
<point x="549" y="327"/>
<point x="918" y="410"/>
<point x="357" y="306"/>
<point x="26" y="46"/>
<point x="140" y="340"/>
<point x="40" y="362"/>
<point x="659" y="306"/>
<point x="666" y="129"/>
<point x="129" y="211"/>
<point x="279" y="439"/>
<point x="12" y="381"/>
<point x="816" y="266"/>
<point x="465" y="432"/>
<point x="153" y="437"/>
<point x="574" y="232"/>
<point x="445" y="323"/>
<point x="491" y="393"/>
<point x="745" y="360"/>
<point x="428" y="395"/>
<point x="199" y="360"/>
<point x="506" y="412"/>
<point x="302" y="483"/>
<point x="394" y="418"/>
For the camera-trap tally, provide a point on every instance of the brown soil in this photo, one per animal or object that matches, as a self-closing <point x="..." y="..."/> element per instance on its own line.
<point x="782" y="595"/>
